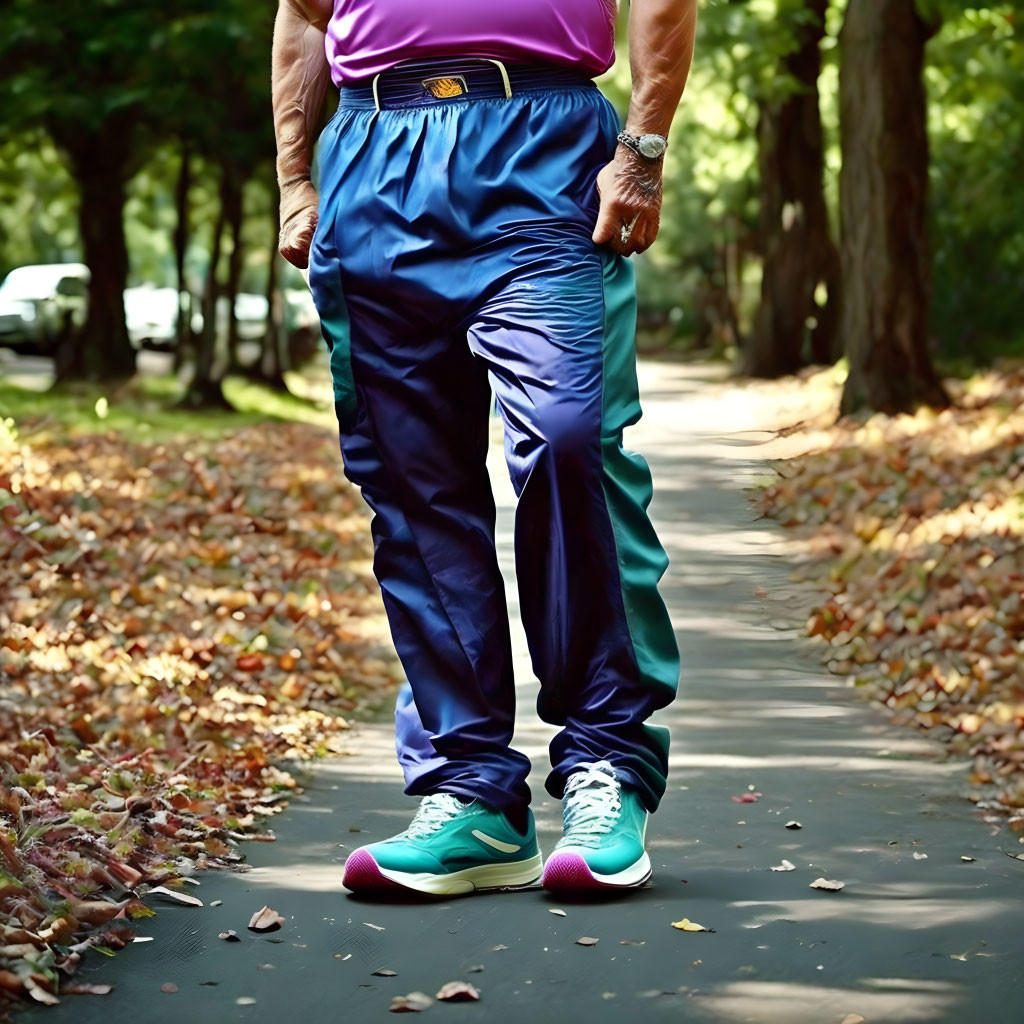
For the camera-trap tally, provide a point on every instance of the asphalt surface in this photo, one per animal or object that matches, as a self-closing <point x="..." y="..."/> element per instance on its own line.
<point x="916" y="934"/>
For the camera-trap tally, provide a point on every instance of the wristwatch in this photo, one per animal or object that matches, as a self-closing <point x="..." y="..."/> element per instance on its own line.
<point x="650" y="147"/>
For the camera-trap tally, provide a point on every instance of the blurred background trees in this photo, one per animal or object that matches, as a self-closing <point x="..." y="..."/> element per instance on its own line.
<point x="843" y="183"/>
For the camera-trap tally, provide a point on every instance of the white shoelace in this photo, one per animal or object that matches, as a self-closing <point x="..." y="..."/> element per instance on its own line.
<point x="592" y="802"/>
<point x="434" y="811"/>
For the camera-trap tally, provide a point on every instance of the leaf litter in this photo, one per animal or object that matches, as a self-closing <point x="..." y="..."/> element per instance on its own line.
<point x="911" y="529"/>
<point x="177" y="621"/>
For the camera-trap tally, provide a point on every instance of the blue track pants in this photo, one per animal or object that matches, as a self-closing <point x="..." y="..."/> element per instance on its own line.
<point x="453" y="257"/>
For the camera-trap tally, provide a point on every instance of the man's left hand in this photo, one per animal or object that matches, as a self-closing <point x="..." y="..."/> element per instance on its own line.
<point x="630" y="187"/>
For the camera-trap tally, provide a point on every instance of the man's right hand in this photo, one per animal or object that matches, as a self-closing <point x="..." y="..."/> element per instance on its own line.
<point x="299" y="76"/>
<point x="299" y="205"/>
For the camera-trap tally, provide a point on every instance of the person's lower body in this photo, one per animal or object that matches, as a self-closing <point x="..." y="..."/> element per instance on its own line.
<point x="452" y="258"/>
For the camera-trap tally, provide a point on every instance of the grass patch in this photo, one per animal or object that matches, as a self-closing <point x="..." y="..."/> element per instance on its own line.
<point x="147" y="409"/>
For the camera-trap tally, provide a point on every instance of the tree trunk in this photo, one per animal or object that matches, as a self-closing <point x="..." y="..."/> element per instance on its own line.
<point x="99" y="162"/>
<point x="204" y="390"/>
<point x="797" y="252"/>
<point x="231" y="198"/>
<point x="181" y="236"/>
<point x="274" y="349"/>
<point x="885" y="259"/>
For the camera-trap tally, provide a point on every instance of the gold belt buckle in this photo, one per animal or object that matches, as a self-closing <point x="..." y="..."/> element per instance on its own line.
<point x="445" y="88"/>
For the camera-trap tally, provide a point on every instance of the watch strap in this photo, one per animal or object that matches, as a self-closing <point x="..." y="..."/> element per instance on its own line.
<point x="633" y="142"/>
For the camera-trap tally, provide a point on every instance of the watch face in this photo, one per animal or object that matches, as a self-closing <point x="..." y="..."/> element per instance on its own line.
<point x="651" y="146"/>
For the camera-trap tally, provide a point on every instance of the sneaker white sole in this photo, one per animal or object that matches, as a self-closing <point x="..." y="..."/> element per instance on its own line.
<point x="360" y="877"/>
<point x="567" y="870"/>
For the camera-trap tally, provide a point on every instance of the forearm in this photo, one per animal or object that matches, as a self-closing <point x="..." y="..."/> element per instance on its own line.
<point x="661" y="34"/>
<point x="299" y="77"/>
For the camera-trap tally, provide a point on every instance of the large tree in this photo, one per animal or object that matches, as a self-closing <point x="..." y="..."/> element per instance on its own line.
<point x="91" y="77"/>
<point x="883" y="190"/>
<point x="797" y="250"/>
<point x="227" y="47"/>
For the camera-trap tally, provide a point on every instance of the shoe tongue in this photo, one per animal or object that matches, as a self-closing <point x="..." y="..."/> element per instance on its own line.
<point x="450" y="801"/>
<point x="603" y="782"/>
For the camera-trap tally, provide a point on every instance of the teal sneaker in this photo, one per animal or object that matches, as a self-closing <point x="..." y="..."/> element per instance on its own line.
<point x="605" y="825"/>
<point x="450" y="848"/>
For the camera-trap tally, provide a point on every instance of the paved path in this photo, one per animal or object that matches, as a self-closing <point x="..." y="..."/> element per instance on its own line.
<point x="916" y="935"/>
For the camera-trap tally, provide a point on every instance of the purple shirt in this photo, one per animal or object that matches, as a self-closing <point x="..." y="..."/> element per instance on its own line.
<point x="367" y="36"/>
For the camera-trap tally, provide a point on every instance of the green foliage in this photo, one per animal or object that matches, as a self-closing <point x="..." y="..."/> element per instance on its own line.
<point x="976" y="92"/>
<point x="196" y="74"/>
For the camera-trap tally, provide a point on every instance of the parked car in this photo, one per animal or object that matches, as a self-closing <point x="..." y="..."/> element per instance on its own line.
<point x="301" y="313"/>
<point x="250" y="312"/>
<point x="152" y="316"/>
<point x="38" y="300"/>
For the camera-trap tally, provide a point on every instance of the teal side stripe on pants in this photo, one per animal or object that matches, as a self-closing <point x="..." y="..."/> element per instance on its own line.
<point x="335" y="325"/>
<point x="628" y="490"/>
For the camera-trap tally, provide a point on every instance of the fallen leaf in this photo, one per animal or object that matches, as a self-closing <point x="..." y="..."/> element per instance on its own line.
<point x="475" y="969"/>
<point x="229" y="936"/>
<point x="265" y="920"/>
<point x="686" y="925"/>
<point x="557" y="913"/>
<point x="920" y="856"/>
<point x="495" y="949"/>
<point x="86" y="989"/>
<point x="39" y="993"/>
<point x="169" y="987"/>
<point x="180" y="897"/>
<point x="746" y="798"/>
<point x="587" y="940"/>
<point x="245" y="1001"/>
<point x="826" y="883"/>
<point x="414" y="1002"/>
<point x="853" y="1018"/>
<point x="968" y="860"/>
<point x="458" y="992"/>
<point x="383" y="972"/>
<point x="784" y="866"/>
<point x="793" y="825"/>
<point x="375" y="927"/>
<point x="632" y="942"/>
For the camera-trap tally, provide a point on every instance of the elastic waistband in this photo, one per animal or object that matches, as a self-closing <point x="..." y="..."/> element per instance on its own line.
<point x="457" y="79"/>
